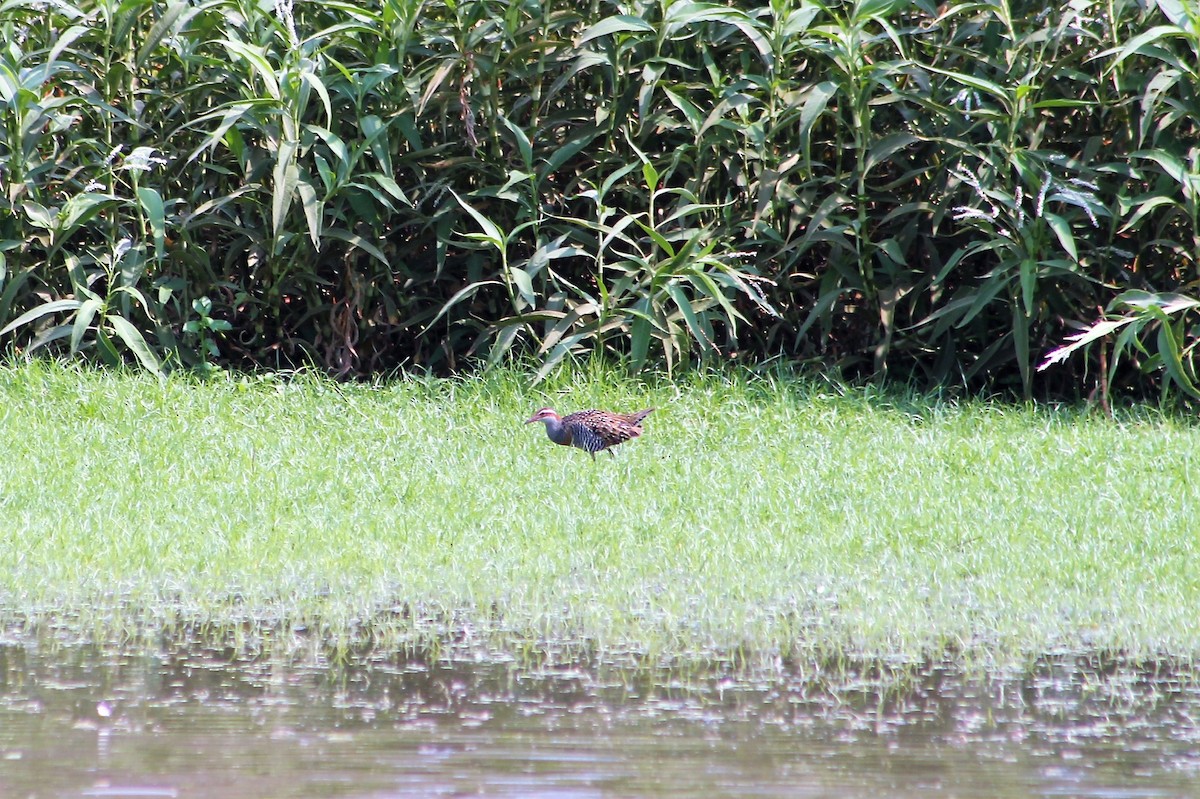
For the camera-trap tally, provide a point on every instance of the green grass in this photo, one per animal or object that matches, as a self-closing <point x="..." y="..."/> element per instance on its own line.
<point x="770" y="515"/>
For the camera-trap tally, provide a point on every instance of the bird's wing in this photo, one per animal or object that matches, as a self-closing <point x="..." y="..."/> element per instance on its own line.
<point x="609" y="428"/>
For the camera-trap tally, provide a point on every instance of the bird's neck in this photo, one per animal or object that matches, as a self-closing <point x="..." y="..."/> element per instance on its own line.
<point x="557" y="432"/>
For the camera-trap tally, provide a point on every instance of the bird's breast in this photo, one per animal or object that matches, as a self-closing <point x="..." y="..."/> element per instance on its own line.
<point x="559" y="434"/>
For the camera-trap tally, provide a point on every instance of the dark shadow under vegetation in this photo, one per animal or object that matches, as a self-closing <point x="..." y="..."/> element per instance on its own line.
<point x="933" y="193"/>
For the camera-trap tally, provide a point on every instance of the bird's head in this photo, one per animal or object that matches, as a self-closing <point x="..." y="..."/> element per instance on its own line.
<point x="541" y="416"/>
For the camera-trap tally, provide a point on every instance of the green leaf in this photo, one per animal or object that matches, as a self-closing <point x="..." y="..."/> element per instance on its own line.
<point x="337" y="148"/>
<point x="390" y="186"/>
<point x="1179" y="14"/>
<point x="123" y="19"/>
<point x="881" y="150"/>
<point x="357" y="241"/>
<point x="286" y="175"/>
<point x="660" y="240"/>
<point x="256" y="58"/>
<point x="10" y="85"/>
<point x="1062" y="229"/>
<point x="175" y="18"/>
<point x="62" y="42"/>
<point x="639" y="341"/>
<point x="48" y="336"/>
<point x="228" y="116"/>
<point x="1064" y="103"/>
<point x="312" y="210"/>
<point x="1170" y="348"/>
<point x="708" y="286"/>
<point x="975" y="301"/>
<point x="1152" y="36"/>
<point x="1168" y="302"/>
<point x="1080" y="340"/>
<point x="1170" y="163"/>
<point x="319" y="87"/>
<point x="523" y="144"/>
<point x="465" y="292"/>
<point x="136" y="343"/>
<point x="973" y="82"/>
<point x="893" y="250"/>
<point x="79" y="208"/>
<point x="152" y="205"/>
<point x="622" y="23"/>
<point x="1020" y="325"/>
<point x="374" y="129"/>
<point x="865" y="9"/>
<point x="691" y="113"/>
<point x="684" y="305"/>
<point x="55" y="306"/>
<point x="1029" y="276"/>
<point x="524" y="285"/>
<point x="503" y="343"/>
<point x="491" y="232"/>
<point x="571" y="148"/>
<point x="562" y="349"/>
<point x="329" y="179"/>
<point x="108" y="351"/>
<point x="1145" y="207"/>
<point x="566" y="325"/>
<point x="83" y="320"/>
<point x="38" y="215"/>
<point x="683" y="14"/>
<point x="651" y="176"/>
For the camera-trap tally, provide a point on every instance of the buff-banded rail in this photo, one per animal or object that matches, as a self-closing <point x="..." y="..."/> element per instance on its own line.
<point x="592" y="430"/>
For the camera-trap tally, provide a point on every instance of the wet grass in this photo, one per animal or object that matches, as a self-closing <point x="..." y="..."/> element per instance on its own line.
<point x="766" y="516"/>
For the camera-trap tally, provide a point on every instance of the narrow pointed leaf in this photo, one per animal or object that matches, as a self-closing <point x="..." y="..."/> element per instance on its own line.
<point x="619" y="24"/>
<point x="490" y="231"/>
<point x="55" y="306"/>
<point x="152" y="205"/>
<point x="133" y="339"/>
<point x="286" y="174"/>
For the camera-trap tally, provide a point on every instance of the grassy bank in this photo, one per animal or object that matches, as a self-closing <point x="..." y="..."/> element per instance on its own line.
<point x="802" y="516"/>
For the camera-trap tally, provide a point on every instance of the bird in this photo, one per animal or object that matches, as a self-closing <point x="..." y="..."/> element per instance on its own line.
<point x="592" y="430"/>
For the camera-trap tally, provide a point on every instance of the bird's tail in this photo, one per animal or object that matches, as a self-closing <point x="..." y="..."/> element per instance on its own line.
<point x="636" y="418"/>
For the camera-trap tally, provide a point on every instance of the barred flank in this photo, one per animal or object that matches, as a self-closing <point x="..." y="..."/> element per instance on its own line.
<point x="586" y="439"/>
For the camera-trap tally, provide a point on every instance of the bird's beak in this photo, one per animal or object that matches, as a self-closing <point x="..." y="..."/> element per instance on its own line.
<point x="531" y="419"/>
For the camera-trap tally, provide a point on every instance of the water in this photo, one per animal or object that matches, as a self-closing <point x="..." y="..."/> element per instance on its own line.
<point x="194" y="721"/>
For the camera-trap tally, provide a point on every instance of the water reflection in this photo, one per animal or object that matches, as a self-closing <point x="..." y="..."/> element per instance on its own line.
<point x="190" y="720"/>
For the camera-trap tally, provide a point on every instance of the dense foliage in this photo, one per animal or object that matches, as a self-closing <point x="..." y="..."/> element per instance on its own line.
<point x="942" y="192"/>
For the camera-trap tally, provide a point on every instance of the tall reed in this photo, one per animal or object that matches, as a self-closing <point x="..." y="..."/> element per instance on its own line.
<point x="939" y="192"/>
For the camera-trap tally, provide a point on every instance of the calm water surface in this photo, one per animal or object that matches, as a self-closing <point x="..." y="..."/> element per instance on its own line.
<point x="192" y="721"/>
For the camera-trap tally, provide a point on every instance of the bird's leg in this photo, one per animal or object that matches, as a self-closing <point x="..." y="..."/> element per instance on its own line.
<point x="611" y="454"/>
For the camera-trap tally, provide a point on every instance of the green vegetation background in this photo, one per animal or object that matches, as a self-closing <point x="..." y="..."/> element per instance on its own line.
<point x="937" y="192"/>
